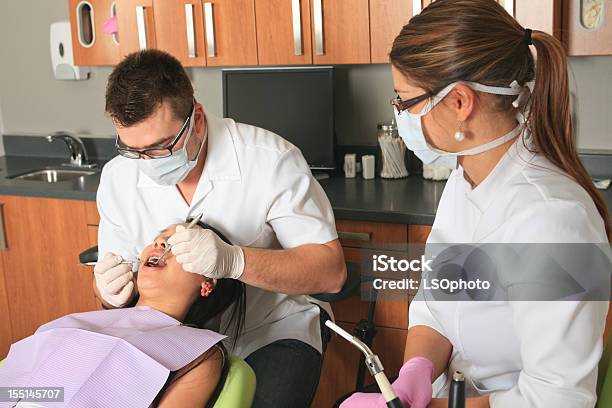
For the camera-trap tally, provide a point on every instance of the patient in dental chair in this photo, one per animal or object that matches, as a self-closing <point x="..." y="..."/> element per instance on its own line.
<point x="151" y="355"/>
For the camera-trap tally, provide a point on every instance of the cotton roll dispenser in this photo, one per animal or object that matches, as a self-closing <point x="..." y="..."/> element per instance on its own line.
<point x="393" y="152"/>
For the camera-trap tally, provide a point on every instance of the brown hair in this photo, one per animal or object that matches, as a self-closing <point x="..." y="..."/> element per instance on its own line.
<point x="142" y="82"/>
<point x="478" y="41"/>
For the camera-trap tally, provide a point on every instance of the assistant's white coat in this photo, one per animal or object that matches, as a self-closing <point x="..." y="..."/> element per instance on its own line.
<point x="524" y="354"/>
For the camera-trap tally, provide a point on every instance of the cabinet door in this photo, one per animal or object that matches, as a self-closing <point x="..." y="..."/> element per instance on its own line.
<point x="230" y="32"/>
<point x="340" y="31"/>
<point x="542" y="15"/>
<point x="44" y="279"/>
<point x="90" y="45"/>
<point x="179" y="29"/>
<point x="283" y="32"/>
<point x="136" y="25"/>
<point x="387" y="17"/>
<point x="588" y="27"/>
<point x="6" y="333"/>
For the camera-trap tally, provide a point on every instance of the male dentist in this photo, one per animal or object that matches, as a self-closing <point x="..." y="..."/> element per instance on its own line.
<point x="177" y="160"/>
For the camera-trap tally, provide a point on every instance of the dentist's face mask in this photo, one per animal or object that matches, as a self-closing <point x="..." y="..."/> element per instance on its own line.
<point x="173" y="169"/>
<point x="410" y="126"/>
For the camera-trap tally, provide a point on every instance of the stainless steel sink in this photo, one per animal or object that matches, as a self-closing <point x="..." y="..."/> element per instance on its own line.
<point x="54" y="175"/>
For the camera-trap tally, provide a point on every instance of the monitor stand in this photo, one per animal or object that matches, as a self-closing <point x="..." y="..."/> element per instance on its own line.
<point x="320" y="174"/>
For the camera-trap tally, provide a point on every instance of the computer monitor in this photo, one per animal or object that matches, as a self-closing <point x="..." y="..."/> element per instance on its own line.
<point x="296" y="103"/>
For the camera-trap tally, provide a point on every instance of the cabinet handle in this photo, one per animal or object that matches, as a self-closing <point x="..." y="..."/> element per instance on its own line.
<point x="297" y="26"/>
<point x="141" y="24"/>
<point x="417" y="7"/>
<point x="210" y="29"/>
<point x="355" y="236"/>
<point x="3" y="245"/>
<point x="190" y="28"/>
<point x="318" y="26"/>
<point x="509" y="6"/>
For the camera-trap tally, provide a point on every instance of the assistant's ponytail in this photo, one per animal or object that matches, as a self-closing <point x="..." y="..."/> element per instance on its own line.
<point x="550" y="117"/>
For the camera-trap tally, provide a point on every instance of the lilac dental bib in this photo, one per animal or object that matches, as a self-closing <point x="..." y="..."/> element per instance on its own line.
<point x="109" y="358"/>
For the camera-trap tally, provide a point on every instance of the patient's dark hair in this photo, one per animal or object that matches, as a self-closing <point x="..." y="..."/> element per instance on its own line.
<point x="228" y="293"/>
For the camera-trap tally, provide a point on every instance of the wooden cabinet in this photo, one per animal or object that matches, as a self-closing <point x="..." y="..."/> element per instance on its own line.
<point x="588" y="27"/>
<point x="179" y="28"/>
<point x="43" y="277"/>
<point x="230" y="32"/>
<point x="360" y="241"/>
<point x="136" y="25"/>
<point x="387" y="17"/>
<point x="288" y="32"/>
<point x="340" y="31"/>
<point x="198" y="33"/>
<point x="283" y="32"/>
<point x="90" y="45"/>
<point x="6" y="332"/>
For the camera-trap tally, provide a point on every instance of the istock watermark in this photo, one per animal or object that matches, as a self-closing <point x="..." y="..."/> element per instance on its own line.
<point x="447" y="285"/>
<point x="487" y="272"/>
<point x="384" y="263"/>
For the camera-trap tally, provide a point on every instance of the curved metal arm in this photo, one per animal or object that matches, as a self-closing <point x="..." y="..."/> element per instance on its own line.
<point x="373" y="363"/>
<point x="78" y="153"/>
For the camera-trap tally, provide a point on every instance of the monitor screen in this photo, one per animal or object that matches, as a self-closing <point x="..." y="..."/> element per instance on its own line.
<point x="295" y="103"/>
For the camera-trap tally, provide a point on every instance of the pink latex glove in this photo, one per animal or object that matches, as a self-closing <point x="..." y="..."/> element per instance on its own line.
<point x="110" y="26"/>
<point x="413" y="387"/>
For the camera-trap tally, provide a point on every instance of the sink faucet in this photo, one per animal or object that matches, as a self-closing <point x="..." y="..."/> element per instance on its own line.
<point x="78" y="153"/>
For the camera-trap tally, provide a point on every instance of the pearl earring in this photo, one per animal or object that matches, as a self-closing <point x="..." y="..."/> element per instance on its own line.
<point x="459" y="135"/>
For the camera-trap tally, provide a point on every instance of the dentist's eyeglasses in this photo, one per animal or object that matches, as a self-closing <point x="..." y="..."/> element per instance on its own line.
<point x="401" y="105"/>
<point x="157" y="152"/>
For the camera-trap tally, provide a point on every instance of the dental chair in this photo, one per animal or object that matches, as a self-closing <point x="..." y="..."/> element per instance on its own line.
<point x="238" y="389"/>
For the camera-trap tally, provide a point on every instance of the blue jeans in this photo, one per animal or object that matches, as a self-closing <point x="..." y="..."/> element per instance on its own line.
<point x="288" y="371"/>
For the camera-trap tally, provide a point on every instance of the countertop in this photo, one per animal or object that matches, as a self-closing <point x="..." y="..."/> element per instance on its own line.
<point x="412" y="200"/>
<point x="83" y="188"/>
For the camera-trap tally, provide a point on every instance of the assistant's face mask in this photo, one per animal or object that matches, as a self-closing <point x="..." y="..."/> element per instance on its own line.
<point x="410" y="126"/>
<point x="173" y="169"/>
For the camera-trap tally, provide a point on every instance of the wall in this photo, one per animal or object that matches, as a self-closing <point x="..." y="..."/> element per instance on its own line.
<point x="35" y="103"/>
<point x="1" y="129"/>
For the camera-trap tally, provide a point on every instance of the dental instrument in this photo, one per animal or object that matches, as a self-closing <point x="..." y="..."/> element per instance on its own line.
<point x="94" y="263"/>
<point x="154" y="260"/>
<point x="373" y="363"/>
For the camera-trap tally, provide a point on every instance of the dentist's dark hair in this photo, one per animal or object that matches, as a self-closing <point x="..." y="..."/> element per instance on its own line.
<point x="144" y="80"/>
<point x="477" y="40"/>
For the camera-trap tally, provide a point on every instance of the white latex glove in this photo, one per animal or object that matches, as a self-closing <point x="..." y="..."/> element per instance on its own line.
<point x="201" y="251"/>
<point x="114" y="280"/>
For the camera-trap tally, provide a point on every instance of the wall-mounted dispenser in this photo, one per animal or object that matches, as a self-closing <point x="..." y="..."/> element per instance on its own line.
<point x="62" y="58"/>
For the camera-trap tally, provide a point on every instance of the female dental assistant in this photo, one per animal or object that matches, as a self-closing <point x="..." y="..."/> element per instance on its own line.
<point x="463" y="71"/>
<point x="177" y="161"/>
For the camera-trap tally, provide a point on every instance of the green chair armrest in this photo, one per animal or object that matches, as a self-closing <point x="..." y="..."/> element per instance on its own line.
<point x="239" y="388"/>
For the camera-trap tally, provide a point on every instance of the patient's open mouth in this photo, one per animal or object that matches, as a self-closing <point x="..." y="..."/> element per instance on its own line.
<point x="152" y="261"/>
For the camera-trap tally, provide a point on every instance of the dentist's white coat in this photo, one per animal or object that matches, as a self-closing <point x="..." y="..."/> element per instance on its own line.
<point x="523" y="354"/>
<point x="257" y="190"/>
